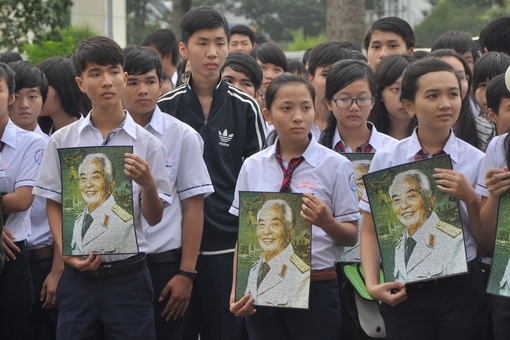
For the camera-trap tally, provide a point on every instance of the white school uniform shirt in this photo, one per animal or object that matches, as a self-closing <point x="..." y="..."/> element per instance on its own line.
<point x="466" y="159"/>
<point x="325" y="173"/>
<point x="82" y="134"/>
<point x="41" y="235"/>
<point x="186" y="172"/>
<point x="495" y="157"/>
<point x="19" y="162"/>
<point x="378" y="140"/>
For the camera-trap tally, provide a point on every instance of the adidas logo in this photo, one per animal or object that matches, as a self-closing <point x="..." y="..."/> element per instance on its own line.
<point x="225" y="138"/>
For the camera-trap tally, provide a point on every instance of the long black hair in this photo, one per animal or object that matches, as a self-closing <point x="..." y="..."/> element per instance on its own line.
<point x="341" y="74"/>
<point x="465" y="128"/>
<point x="389" y="70"/>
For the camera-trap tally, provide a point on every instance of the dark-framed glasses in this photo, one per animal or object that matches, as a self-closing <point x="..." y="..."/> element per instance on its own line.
<point x="347" y="102"/>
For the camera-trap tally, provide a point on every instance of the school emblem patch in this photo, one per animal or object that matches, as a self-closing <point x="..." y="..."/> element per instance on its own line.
<point x="38" y="156"/>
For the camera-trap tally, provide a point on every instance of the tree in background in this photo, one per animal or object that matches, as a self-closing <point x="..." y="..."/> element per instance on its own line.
<point x="31" y="20"/>
<point x="345" y="21"/>
<point x="145" y="16"/>
<point x="279" y="19"/>
<point x="62" y="45"/>
<point x="468" y="16"/>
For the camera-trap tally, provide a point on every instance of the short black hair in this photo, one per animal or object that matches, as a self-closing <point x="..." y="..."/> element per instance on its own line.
<point x="29" y="76"/>
<point x="7" y="74"/>
<point x="9" y="57"/>
<point x="141" y="59"/>
<point x="270" y="53"/>
<point x="244" y="63"/>
<point x="460" y="42"/>
<point x="165" y="42"/>
<point x="495" y="35"/>
<point x="200" y="18"/>
<point x="496" y="90"/>
<point x="243" y="30"/>
<point x="297" y="67"/>
<point x="327" y="53"/>
<point x="97" y="50"/>
<point x="488" y="66"/>
<point x="395" y="25"/>
<point x="260" y="38"/>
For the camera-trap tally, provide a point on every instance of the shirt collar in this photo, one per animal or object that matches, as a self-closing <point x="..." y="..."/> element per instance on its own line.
<point x="451" y="147"/>
<point x="310" y="153"/>
<point x="156" y="122"/>
<point x="128" y="125"/>
<point x="9" y="136"/>
<point x="189" y="87"/>
<point x="374" y="140"/>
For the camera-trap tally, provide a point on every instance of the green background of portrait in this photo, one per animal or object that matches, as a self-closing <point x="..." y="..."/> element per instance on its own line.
<point x="248" y="248"/>
<point x="72" y="202"/>
<point x="389" y="230"/>
<point x="501" y="246"/>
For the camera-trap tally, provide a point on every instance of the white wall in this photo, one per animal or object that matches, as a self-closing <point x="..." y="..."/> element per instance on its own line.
<point x="105" y="17"/>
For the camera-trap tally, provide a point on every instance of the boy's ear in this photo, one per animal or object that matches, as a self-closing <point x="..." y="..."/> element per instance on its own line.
<point x="408" y="106"/>
<point x="492" y="115"/>
<point x="79" y="81"/>
<point x="410" y="51"/>
<point x="310" y="77"/>
<point x="183" y="50"/>
<point x="11" y="100"/>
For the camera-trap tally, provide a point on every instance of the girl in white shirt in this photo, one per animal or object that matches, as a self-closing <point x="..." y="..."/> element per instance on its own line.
<point x="453" y="307"/>
<point x="329" y="203"/>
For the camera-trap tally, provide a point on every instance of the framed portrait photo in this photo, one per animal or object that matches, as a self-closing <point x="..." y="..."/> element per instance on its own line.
<point x="360" y="163"/>
<point x="418" y="227"/>
<point x="97" y="201"/>
<point x="499" y="279"/>
<point x="274" y="250"/>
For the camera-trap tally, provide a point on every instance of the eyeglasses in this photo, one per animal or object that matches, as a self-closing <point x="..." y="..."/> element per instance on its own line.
<point x="347" y="102"/>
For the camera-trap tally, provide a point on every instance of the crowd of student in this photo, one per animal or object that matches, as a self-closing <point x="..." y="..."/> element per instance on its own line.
<point x="222" y="111"/>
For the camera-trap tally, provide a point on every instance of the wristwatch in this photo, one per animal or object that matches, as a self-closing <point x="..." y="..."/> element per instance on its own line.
<point x="191" y="275"/>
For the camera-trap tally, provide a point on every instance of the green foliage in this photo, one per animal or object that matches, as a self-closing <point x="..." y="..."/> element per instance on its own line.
<point x="140" y="21"/>
<point x="63" y="45"/>
<point x="468" y="16"/>
<point x="31" y="20"/>
<point x="278" y="18"/>
<point x="302" y="43"/>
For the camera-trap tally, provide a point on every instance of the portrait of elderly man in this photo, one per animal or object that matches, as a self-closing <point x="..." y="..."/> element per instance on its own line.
<point x="279" y="278"/>
<point x="103" y="227"/>
<point x="429" y="248"/>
